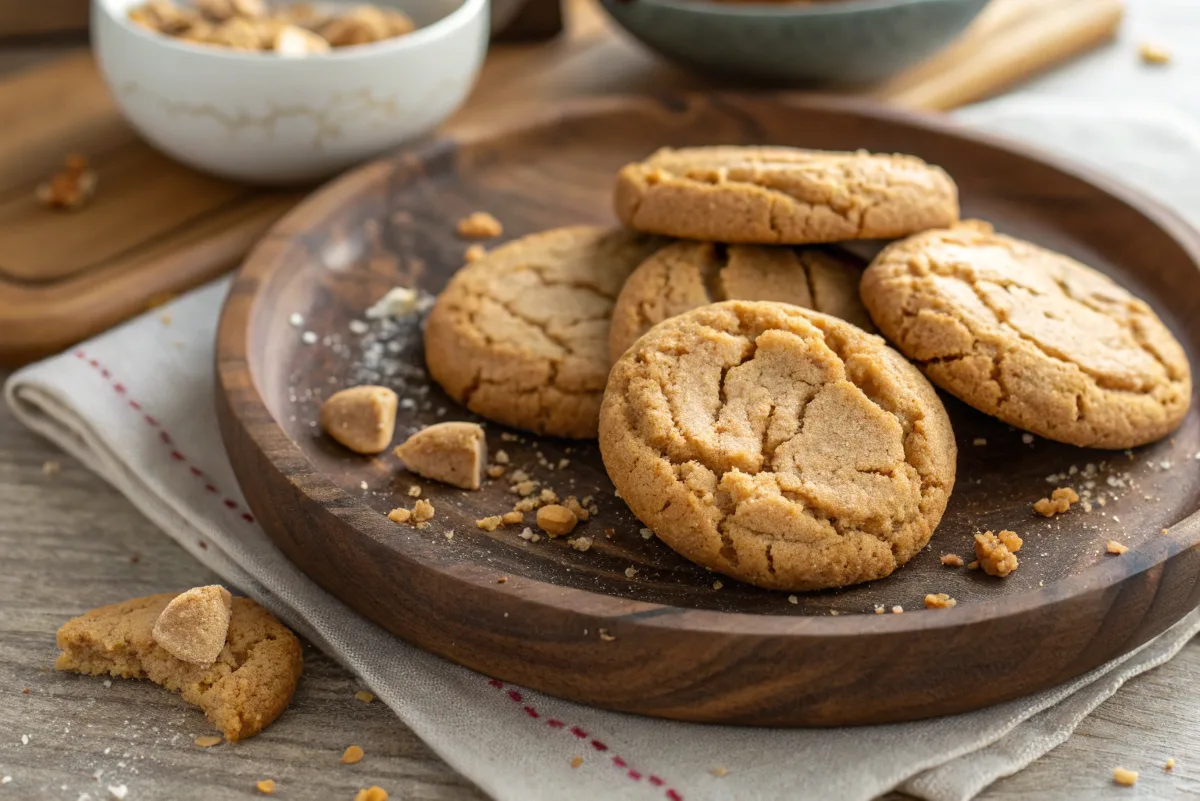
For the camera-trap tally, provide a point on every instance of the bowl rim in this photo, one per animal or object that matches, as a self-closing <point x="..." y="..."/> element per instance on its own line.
<point x="465" y="12"/>
<point x="776" y="9"/>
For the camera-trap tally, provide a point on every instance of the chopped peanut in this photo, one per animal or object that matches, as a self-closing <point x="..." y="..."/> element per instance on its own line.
<point x="1059" y="502"/>
<point x="939" y="601"/>
<point x="556" y="520"/>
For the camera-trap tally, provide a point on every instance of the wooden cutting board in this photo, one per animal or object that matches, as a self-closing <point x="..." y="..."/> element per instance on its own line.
<point x="158" y="228"/>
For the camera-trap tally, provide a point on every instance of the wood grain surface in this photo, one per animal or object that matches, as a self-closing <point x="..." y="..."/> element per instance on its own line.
<point x="533" y="615"/>
<point x="158" y="227"/>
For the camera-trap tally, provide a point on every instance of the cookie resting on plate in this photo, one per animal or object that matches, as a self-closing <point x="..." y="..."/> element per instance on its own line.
<point x="1030" y="336"/>
<point x="778" y="445"/>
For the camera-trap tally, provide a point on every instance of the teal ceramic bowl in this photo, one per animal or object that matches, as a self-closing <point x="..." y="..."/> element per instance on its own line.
<point x="846" y="41"/>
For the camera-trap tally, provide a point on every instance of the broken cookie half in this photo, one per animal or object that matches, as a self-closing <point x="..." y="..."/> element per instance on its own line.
<point x="453" y="453"/>
<point x="242" y="691"/>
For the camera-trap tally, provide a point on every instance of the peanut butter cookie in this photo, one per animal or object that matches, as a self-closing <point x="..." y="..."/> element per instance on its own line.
<point x="249" y="685"/>
<point x="778" y="445"/>
<point x="521" y="335"/>
<point x="685" y="275"/>
<point x="782" y="195"/>
<point x="1030" y="336"/>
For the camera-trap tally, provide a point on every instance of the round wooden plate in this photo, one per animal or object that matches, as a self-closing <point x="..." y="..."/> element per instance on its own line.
<point x="627" y="624"/>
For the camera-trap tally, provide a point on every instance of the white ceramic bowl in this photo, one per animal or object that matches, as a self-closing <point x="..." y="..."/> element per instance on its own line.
<point x="267" y="119"/>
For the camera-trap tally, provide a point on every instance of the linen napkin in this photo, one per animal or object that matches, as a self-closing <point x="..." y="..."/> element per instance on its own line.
<point x="135" y="406"/>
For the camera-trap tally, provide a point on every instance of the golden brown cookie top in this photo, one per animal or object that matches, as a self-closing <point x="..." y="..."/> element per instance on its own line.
<point x="780" y="195"/>
<point x="1032" y="336"/>
<point x="685" y="275"/>
<point x="521" y="335"/>
<point x="777" y="445"/>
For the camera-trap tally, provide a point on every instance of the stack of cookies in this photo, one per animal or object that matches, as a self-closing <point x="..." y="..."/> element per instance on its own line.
<point x="751" y="416"/>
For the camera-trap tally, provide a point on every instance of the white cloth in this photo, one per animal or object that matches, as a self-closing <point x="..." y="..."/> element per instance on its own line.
<point x="134" y="404"/>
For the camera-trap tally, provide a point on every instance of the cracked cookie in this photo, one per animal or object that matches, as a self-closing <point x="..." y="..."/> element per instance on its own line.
<point x="521" y="335"/>
<point x="778" y="445"/>
<point x="783" y="195"/>
<point x="1030" y="336"/>
<point x="685" y="275"/>
<point x="249" y="685"/>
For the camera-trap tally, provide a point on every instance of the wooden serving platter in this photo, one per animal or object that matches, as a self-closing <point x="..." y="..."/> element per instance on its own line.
<point x="661" y="639"/>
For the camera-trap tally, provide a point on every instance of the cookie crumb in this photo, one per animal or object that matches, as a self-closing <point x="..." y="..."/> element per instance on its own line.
<point x="1116" y="548"/>
<point x="979" y="442"/>
<point x="630" y="572"/>
<point x="414" y="491"/>
<point x="502" y="580"/>
<point x="1170" y="764"/>
<point x="474" y="253"/>
<point x="1059" y="502"/>
<point x="576" y="761"/>
<point x="1125" y="778"/>
<point x="501" y="457"/>
<point x="479" y="225"/>
<point x="495" y="471"/>
<point x="422" y="511"/>
<point x="897" y="609"/>
<point x="524" y="488"/>
<point x="717" y="585"/>
<point x="512" y="518"/>
<point x="489" y="523"/>
<point x="399" y="515"/>
<point x="577" y="509"/>
<point x="548" y="496"/>
<point x="792" y="599"/>
<point x="719" y="772"/>
<point x="372" y="793"/>
<point x="118" y="791"/>
<point x="604" y="635"/>
<point x="365" y="696"/>
<point x="556" y="520"/>
<point x="581" y="543"/>
<point x="207" y="741"/>
<point x="1154" y="54"/>
<point x="70" y="188"/>
<point x="266" y="786"/>
<point x="880" y="609"/>
<point x="51" y="468"/>
<point x="1027" y="439"/>
<point x="939" y="600"/>
<point x="952" y="560"/>
<point x="973" y="565"/>
<point x="996" y="553"/>
<point x="352" y="755"/>
<point x="647" y="533"/>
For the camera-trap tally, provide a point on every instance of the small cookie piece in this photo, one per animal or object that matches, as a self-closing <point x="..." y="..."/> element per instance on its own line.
<point x="997" y="553"/>
<point x="249" y="685"/>
<point x="782" y="195"/>
<point x="777" y="445"/>
<point x="454" y="453"/>
<point x="1030" y="336"/>
<point x="521" y="335"/>
<point x="193" y="626"/>
<point x="479" y="225"/>
<point x="361" y="418"/>
<point x="686" y="275"/>
<point x="1058" y="503"/>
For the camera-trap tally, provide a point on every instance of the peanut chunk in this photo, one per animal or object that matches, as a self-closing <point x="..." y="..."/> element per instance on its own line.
<point x="1059" y="502"/>
<point x="1116" y="548"/>
<point x="1125" y="778"/>
<point x="556" y="520"/>
<point x="192" y="627"/>
<point x="952" y="560"/>
<point x="996" y="553"/>
<point x="454" y="453"/>
<point x="1154" y="54"/>
<point x="479" y="225"/>
<point x="361" y="418"/>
